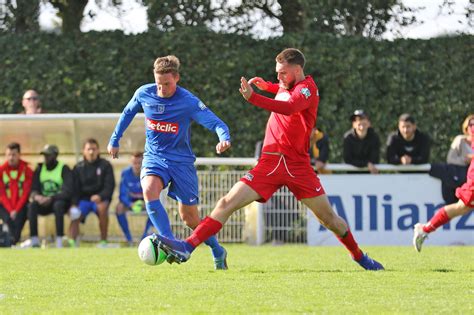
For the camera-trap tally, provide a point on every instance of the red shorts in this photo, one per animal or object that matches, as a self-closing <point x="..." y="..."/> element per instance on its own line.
<point x="466" y="194"/>
<point x="274" y="171"/>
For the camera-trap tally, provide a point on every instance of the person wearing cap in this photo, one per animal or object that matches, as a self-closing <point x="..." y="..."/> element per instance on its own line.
<point x="361" y="143"/>
<point x="408" y="145"/>
<point x="50" y="193"/>
<point x="15" y="185"/>
<point x="31" y="103"/>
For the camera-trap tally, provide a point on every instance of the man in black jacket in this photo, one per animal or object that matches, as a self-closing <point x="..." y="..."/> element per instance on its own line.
<point x="94" y="184"/>
<point x="51" y="192"/>
<point x="408" y="145"/>
<point x="361" y="143"/>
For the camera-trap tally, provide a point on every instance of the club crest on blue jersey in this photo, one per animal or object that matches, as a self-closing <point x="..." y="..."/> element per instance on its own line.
<point x="202" y="106"/>
<point x="160" y="109"/>
<point x="305" y="92"/>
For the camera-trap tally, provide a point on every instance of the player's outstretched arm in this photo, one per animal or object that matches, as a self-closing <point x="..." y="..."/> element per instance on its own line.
<point x="222" y="146"/>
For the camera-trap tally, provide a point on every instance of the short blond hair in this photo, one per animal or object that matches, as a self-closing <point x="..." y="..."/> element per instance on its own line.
<point x="167" y="64"/>
<point x="465" y="124"/>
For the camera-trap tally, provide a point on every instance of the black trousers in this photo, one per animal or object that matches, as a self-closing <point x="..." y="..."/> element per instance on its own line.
<point x="58" y="207"/>
<point x="15" y="226"/>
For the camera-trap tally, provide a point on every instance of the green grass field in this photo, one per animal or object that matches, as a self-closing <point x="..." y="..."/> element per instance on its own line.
<point x="265" y="279"/>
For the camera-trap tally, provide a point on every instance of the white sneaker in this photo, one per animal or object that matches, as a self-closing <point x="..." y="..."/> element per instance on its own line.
<point x="419" y="236"/>
<point x="29" y="243"/>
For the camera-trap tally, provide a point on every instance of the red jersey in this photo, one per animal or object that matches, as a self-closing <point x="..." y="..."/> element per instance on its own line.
<point x="470" y="171"/>
<point x="15" y="185"/>
<point x="292" y="119"/>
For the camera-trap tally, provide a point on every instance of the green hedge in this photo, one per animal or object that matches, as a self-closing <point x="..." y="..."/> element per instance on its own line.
<point x="99" y="71"/>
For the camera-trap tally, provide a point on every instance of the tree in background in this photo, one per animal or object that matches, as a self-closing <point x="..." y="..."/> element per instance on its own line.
<point x="167" y="15"/>
<point x="19" y="16"/>
<point x="366" y="18"/>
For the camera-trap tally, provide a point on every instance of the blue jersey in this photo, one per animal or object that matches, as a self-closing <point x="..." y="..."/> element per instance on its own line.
<point x="167" y="123"/>
<point x="130" y="188"/>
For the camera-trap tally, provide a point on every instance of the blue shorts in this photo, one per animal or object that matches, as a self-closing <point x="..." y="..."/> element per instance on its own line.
<point x="86" y="207"/>
<point x="181" y="178"/>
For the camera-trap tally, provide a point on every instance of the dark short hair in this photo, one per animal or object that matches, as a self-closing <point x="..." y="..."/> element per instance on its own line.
<point x="90" y="141"/>
<point x="405" y="117"/>
<point x="137" y="154"/>
<point x="292" y="56"/>
<point x="14" y="146"/>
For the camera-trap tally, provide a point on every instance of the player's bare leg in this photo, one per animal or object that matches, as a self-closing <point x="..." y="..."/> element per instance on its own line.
<point x="442" y="216"/>
<point x="103" y="212"/>
<point x="322" y="209"/>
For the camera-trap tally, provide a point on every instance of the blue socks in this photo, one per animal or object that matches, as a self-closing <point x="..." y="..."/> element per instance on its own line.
<point x="158" y="216"/>
<point x="122" y="220"/>
<point x="216" y="248"/>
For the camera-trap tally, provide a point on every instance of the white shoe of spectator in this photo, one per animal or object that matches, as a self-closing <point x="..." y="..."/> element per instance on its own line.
<point x="31" y="242"/>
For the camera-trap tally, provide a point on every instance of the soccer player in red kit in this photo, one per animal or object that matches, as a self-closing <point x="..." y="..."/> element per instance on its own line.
<point x="465" y="204"/>
<point x="284" y="162"/>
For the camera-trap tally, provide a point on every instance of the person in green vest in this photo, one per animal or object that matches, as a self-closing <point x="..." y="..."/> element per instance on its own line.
<point x="51" y="192"/>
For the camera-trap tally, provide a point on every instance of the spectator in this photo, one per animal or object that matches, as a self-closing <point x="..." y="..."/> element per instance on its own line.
<point x="51" y="192"/>
<point x="453" y="173"/>
<point x="31" y="103"/>
<point x="94" y="184"/>
<point x="408" y="145"/>
<point x="461" y="153"/>
<point x="131" y="196"/>
<point x="319" y="150"/>
<point x="361" y="143"/>
<point x="15" y="185"/>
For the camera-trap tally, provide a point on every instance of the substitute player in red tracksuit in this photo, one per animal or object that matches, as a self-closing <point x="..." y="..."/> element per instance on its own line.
<point x="465" y="204"/>
<point x="284" y="162"/>
<point x="15" y="186"/>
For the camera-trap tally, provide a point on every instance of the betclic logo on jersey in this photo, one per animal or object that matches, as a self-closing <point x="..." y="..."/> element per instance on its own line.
<point x="162" y="126"/>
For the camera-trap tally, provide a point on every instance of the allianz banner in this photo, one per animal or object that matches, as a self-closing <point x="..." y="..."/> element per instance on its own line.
<point x="382" y="210"/>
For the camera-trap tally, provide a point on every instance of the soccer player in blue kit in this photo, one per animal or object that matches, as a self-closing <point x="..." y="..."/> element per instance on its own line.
<point x="168" y="158"/>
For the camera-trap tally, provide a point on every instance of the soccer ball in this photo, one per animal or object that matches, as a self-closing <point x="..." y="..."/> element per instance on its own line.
<point x="149" y="253"/>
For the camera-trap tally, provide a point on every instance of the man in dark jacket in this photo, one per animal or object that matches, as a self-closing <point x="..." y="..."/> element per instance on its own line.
<point x="408" y="145"/>
<point x="51" y="192"/>
<point x="94" y="184"/>
<point x="361" y="143"/>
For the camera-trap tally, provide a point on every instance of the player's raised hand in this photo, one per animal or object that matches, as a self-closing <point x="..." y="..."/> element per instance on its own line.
<point x="114" y="152"/>
<point x="222" y="146"/>
<point x="245" y="88"/>
<point x="260" y="83"/>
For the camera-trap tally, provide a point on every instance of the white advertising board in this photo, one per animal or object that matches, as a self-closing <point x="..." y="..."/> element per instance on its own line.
<point x="382" y="210"/>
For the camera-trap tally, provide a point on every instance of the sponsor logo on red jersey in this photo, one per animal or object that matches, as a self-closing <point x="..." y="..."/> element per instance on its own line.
<point x="162" y="126"/>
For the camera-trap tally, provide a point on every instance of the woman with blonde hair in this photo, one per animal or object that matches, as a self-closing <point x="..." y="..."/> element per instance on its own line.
<point x="460" y="152"/>
<point x="453" y="173"/>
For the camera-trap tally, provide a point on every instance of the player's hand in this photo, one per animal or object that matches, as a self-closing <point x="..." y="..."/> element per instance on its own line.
<point x="245" y="88"/>
<point x="114" y="152"/>
<point x="222" y="146"/>
<point x="260" y="83"/>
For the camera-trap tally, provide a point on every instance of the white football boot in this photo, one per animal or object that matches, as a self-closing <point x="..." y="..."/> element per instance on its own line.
<point x="419" y="236"/>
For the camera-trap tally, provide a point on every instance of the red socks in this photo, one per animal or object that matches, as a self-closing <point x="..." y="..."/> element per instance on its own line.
<point x="348" y="241"/>
<point x="203" y="231"/>
<point x="440" y="218"/>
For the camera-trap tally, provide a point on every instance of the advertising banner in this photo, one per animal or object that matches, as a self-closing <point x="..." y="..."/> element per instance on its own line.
<point x="382" y="210"/>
